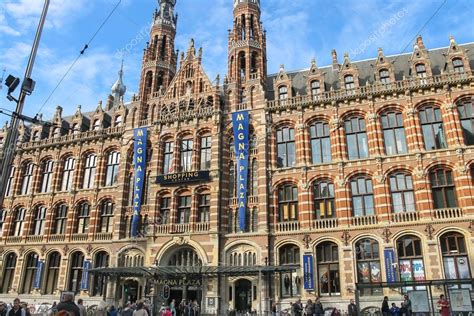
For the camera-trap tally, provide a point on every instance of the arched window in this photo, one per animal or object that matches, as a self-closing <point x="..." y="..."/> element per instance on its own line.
<point x="186" y="257"/>
<point x="68" y="174"/>
<point x="46" y="176"/>
<point x="368" y="265"/>
<point x="362" y="196"/>
<point x="83" y="217"/>
<point x="56" y="132"/>
<point x="254" y="220"/>
<point x="52" y="272"/>
<point x="29" y="274"/>
<point x="288" y="203"/>
<point x="112" y="170"/>
<point x="231" y="179"/>
<point x="282" y="93"/>
<point x="3" y="216"/>
<point x="410" y="259"/>
<point x="101" y="260"/>
<point x="27" y="181"/>
<point x="39" y="221"/>
<point x="97" y="125"/>
<point x="18" y="222"/>
<point x="349" y="82"/>
<point x="168" y="157"/>
<point x="290" y="281"/>
<point x="230" y="221"/>
<point x="254" y="178"/>
<point x="186" y="154"/>
<point x="324" y="200"/>
<point x="60" y="220"/>
<point x="76" y="129"/>
<point x="118" y="121"/>
<point x="76" y="266"/>
<point x="421" y="73"/>
<point x="356" y="138"/>
<point x="466" y="114"/>
<point x="401" y="189"/>
<point x="9" y="266"/>
<point x="393" y="133"/>
<point x="206" y="152"/>
<point x="204" y="206"/>
<point x="458" y="65"/>
<point x="106" y="217"/>
<point x="384" y="76"/>
<point x="320" y="142"/>
<point x="165" y="209"/>
<point x="327" y="256"/>
<point x="432" y="126"/>
<point x="315" y="89"/>
<point x="455" y="256"/>
<point x="286" y="147"/>
<point x="184" y="209"/>
<point x="89" y="171"/>
<point x="9" y="186"/>
<point x="443" y="188"/>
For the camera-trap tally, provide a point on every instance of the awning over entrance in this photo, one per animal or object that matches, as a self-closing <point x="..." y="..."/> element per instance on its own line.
<point x="196" y="271"/>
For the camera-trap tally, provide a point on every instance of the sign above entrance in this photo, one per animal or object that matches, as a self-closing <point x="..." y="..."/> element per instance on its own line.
<point x="179" y="282"/>
<point x="183" y="177"/>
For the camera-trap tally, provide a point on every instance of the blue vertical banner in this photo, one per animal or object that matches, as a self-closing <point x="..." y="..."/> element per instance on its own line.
<point x="85" y="275"/>
<point x="390" y="267"/>
<point x="308" y="272"/>
<point x="38" y="274"/>
<point x="139" y="162"/>
<point x="240" y="123"/>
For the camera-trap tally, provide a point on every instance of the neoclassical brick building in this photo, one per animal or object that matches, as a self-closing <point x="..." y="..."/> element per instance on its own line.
<point x="345" y="161"/>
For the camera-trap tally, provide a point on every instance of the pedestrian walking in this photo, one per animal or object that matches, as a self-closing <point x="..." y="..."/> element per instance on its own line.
<point x="352" y="308"/>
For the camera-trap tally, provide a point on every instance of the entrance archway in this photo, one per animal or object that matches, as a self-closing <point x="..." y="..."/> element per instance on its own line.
<point x="243" y="296"/>
<point x="131" y="291"/>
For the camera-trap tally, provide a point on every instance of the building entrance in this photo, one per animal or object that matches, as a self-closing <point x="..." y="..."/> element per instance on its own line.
<point x="243" y="296"/>
<point x="130" y="291"/>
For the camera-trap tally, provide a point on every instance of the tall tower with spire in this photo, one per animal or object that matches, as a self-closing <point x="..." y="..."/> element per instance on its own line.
<point x="119" y="89"/>
<point x="159" y="57"/>
<point x="247" y="60"/>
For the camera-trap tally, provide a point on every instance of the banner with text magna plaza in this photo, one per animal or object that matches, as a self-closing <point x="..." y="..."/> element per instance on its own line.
<point x="139" y="162"/>
<point x="240" y="123"/>
<point x="38" y="274"/>
<point x="390" y="265"/>
<point x="86" y="266"/>
<point x="308" y="272"/>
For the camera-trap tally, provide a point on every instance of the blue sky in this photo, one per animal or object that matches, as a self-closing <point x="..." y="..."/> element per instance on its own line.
<point x="297" y="31"/>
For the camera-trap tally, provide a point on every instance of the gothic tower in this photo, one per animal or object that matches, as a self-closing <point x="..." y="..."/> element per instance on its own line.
<point x="159" y="57"/>
<point x="247" y="59"/>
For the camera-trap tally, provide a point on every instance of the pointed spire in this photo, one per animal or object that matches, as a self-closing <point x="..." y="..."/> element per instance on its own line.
<point x="78" y="110"/>
<point x="335" y="63"/>
<point x="119" y="89"/>
<point x="58" y="113"/>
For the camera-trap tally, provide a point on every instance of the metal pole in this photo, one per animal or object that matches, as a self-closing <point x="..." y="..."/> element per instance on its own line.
<point x="12" y="134"/>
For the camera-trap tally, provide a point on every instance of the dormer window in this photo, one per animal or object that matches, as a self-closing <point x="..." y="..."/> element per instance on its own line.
<point x="96" y="125"/>
<point x="282" y="93"/>
<point x="76" y="129"/>
<point x="458" y="65"/>
<point x="421" y="73"/>
<point x="349" y="82"/>
<point x="315" y="89"/>
<point x="36" y="136"/>
<point x="118" y="121"/>
<point x="57" y="132"/>
<point x="384" y="76"/>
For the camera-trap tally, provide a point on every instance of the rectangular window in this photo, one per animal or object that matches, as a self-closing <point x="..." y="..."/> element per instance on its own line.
<point x="186" y="155"/>
<point x="89" y="172"/>
<point x="168" y="158"/>
<point x="206" y="153"/>
<point x="47" y="176"/>
<point x="204" y="207"/>
<point x="68" y="173"/>
<point x="184" y="209"/>
<point x="320" y="143"/>
<point x="286" y="147"/>
<point x="165" y="210"/>
<point x="356" y="138"/>
<point x="9" y="186"/>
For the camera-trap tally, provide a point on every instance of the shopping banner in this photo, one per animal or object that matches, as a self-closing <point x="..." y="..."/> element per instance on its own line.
<point x="38" y="274"/>
<point x="240" y="123"/>
<point x="390" y="265"/>
<point x="85" y="275"/>
<point x="139" y="163"/>
<point x="308" y="272"/>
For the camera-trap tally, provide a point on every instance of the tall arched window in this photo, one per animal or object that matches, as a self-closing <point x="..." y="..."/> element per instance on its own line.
<point x="290" y="281"/>
<point x="393" y="133"/>
<point x="46" y="176"/>
<point x="168" y="157"/>
<point x="282" y="93"/>
<point x="286" y="147"/>
<point x="455" y="256"/>
<point x="68" y="174"/>
<point x="443" y="188"/>
<point x="204" y="206"/>
<point x="9" y="265"/>
<point x="458" y="65"/>
<point x="231" y="179"/>
<point x="185" y="257"/>
<point x="315" y="89"/>
<point x="206" y="152"/>
<point x="3" y="216"/>
<point x="106" y="217"/>
<point x="432" y="126"/>
<point x="89" y="171"/>
<point x="254" y="177"/>
<point x="97" y="125"/>
<point x="410" y="259"/>
<point x="60" y="220"/>
<point x="101" y="260"/>
<point x="118" y="121"/>
<point x="288" y="203"/>
<point x="421" y="73"/>
<point x="368" y="264"/>
<point x="230" y="221"/>
<point x="39" y="221"/>
<point x="9" y="186"/>
<point x="27" y="180"/>
<point x="320" y="142"/>
<point x="349" y="82"/>
<point x="186" y="154"/>
<point x="401" y="189"/>
<point x="76" y="266"/>
<point x="356" y="138"/>
<point x="83" y="217"/>
<point x="324" y="200"/>
<point x="165" y="210"/>
<point x="362" y="196"/>
<point x="254" y="220"/>
<point x="18" y="222"/>
<point x="112" y="170"/>
<point x="184" y="209"/>
<point x="466" y="114"/>
<point x="52" y="272"/>
<point x="327" y="256"/>
<point x="384" y="76"/>
<point x="29" y="274"/>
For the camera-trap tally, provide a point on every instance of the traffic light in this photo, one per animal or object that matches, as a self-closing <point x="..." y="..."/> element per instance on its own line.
<point x="11" y="82"/>
<point x="166" y="292"/>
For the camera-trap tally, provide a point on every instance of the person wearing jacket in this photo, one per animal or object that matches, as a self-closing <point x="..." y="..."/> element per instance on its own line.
<point x="68" y="305"/>
<point x="352" y="308"/>
<point x="385" y="307"/>
<point x="16" y="310"/>
<point x="3" y="309"/>
<point x="318" y="309"/>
